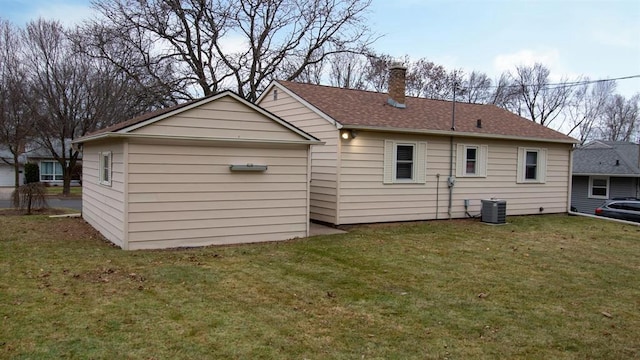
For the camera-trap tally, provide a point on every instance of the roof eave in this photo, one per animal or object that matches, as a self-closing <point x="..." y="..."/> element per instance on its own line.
<point x="117" y="135"/>
<point x="606" y="174"/>
<point x="458" y="133"/>
<point x="206" y="100"/>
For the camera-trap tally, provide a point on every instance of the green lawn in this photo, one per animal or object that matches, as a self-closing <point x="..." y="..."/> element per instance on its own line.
<point x="57" y="190"/>
<point x="541" y="287"/>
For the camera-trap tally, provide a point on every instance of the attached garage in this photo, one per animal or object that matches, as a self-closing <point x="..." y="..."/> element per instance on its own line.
<point x="219" y="170"/>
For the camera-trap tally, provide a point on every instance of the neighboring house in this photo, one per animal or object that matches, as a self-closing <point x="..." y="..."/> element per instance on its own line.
<point x="218" y="170"/>
<point x="7" y="177"/>
<point x="388" y="157"/>
<point x="50" y="168"/>
<point x="604" y="170"/>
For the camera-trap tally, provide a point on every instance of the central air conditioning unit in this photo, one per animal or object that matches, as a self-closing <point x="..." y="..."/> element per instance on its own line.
<point x="494" y="211"/>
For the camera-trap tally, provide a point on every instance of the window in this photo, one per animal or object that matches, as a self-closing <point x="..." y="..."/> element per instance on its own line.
<point x="471" y="160"/>
<point x="404" y="162"/>
<point x="105" y="168"/>
<point x="50" y="171"/>
<point x="532" y="165"/>
<point x="599" y="187"/>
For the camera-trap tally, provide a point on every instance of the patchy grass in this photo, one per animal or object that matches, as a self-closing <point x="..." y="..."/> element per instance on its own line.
<point x="57" y="191"/>
<point x="553" y="287"/>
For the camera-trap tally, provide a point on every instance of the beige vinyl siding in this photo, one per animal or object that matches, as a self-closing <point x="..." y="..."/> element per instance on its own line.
<point x="103" y="206"/>
<point x="223" y="118"/>
<point x="324" y="158"/>
<point x="365" y="198"/>
<point x="187" y="195"/>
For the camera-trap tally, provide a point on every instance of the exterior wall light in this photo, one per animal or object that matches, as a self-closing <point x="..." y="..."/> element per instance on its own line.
<point x="348" y="134"/>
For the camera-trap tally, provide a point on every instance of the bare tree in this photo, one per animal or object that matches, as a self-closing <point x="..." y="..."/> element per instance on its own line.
<point x="621" y="119"/>
<point x="244" y="44"/>
<point x="377" y="72"/>
<point x="16" y="122"/>
<point x="537" y="98"/>
<point x="586" y="106"/>
<point x="477" y="88"/>
<point x="74" y="94"/>
<point x="348" y="70"/>
<point x="427" y="79"/>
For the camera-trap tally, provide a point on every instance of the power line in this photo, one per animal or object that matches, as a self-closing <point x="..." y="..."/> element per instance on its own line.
<point x="551" y="86"/>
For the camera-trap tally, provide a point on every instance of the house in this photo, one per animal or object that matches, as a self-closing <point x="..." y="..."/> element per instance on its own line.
<point x="7" y="175"/>
<point x="50" y="168"/>
<point x="604" y="170"/>
<point x="217" y="170"/>
<point x="389" y="157"/>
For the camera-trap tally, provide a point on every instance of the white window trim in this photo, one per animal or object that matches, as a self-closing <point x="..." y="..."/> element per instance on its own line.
<point x="55" y="165"/>
<point x="101" y="165"/>
<point x="390" y="162"/>
<point x="395" y="162"/>
<point x="541" y="166"/>
<point x="482" y="153"/>
<point x="590" y="190"/>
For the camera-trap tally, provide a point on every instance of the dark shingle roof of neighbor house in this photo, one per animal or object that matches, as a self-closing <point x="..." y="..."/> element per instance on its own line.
<point x="607" y="158"/>
<point x="358" y="108"/>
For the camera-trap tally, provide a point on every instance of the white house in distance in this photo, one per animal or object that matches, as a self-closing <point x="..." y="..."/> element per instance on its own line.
<point x="388" y="157"/>
<point x="217" y="170"/>
<point x="50" y="168"/>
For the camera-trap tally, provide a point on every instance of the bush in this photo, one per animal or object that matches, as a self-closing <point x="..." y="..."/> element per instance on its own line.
<point x="31" y="173"/>
<point x="30" y="196"/>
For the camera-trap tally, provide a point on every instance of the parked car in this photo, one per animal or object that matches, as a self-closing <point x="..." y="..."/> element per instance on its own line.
<point x="620" y="209"/>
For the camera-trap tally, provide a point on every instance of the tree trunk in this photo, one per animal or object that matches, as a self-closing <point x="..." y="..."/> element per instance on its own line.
<point x="66" y="181"/>
<point x="16" y="170"/>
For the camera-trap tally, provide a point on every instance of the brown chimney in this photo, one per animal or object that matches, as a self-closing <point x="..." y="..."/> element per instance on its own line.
<point x="397" y="84"/>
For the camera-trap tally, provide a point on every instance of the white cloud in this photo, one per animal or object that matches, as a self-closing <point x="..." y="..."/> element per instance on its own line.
<point x="507" y="62"/>
<point x="628" y="39"/>
<point x="233" y="43"/>
<point x="550" y="58"/>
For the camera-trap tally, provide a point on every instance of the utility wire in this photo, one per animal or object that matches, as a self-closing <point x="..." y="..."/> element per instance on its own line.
<point x="551" y="86"/>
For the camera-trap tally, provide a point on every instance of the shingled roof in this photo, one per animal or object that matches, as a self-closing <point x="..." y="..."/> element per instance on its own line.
<point x="619" y="158"/>
<point x="366" y="109"/>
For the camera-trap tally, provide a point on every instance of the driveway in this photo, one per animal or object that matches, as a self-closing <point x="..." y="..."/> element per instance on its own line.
<point x="72" y="203"/>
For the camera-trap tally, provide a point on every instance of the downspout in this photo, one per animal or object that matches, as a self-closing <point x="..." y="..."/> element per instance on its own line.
<point x="451" y="180"/>
<point x="437" y="193"/>
<point x="570" y="184"/>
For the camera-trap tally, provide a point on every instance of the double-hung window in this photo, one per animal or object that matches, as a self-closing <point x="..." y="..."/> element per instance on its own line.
<point x="404" y="162"/>
<point x="104" y="168"/>
<point x="471" y="160"/>
<point x="598" y="187"/>
<point x="532" y="164"/>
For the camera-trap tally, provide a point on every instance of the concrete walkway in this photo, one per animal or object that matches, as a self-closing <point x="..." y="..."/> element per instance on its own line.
<point x="318" y="229"/>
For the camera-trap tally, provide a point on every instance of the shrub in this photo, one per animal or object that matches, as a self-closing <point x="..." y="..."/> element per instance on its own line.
<point x="31" y="173"/>
<point x="30" y="197"/>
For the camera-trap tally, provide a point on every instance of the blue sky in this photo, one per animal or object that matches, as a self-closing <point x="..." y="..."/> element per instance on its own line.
<point x="598" y="39"/>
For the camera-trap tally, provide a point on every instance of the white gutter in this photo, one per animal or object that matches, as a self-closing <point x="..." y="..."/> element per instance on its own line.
<point x="456" y="133"/>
